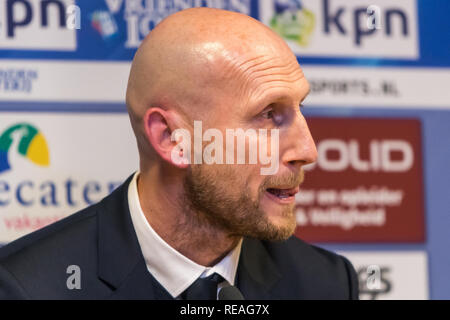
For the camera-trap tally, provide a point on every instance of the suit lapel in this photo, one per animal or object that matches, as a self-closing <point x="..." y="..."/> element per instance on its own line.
<point x="257" y="272"/>
<point x="140" y="285"/>
<point x="120" y="262"/>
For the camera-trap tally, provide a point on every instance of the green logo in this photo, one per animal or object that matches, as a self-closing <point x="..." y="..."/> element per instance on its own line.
<point x="293" y="22"/>
<point x="30" y="143"/>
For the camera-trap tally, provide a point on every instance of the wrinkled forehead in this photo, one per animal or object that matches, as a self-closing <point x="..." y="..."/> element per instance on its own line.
<point x="249" y="71"/>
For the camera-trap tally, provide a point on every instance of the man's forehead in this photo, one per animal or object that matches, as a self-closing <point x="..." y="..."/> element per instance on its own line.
<point x="287" y="93"/>
<point x="249" y="77"/>
<point x="262" y="75"/>
<point x="236" y="62"/>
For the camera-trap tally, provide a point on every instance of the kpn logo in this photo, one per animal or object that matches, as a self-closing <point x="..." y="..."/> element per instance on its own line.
<point x="345" y="28"/>
<point x="25" y="140"/>
<point x="36" y="25"/>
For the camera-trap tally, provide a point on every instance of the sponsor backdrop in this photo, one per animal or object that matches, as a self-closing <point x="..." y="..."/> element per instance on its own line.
<point x="379" y="111"/>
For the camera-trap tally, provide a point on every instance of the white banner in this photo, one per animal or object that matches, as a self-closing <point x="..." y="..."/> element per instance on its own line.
<point x="24" y="80"/>
<point x="391" y="275"/>
<point x="345" y="28"/>
<point x="358" y="87"/>
<point x="36" y="25"/>
<point x="52" y="165"/>
<point x="378" y="87"/>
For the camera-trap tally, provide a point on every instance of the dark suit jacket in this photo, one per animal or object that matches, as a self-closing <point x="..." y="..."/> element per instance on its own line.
<point x="101" y="240"/>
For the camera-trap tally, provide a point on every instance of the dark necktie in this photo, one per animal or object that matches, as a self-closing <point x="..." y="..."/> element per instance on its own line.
<point x="203" y="288"/>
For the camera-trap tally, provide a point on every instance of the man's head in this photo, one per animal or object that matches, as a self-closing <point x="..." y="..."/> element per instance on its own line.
<point x="227" y="71"/>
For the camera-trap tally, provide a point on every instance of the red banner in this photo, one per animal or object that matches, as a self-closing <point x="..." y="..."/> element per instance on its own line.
<point x="367" y="183"/>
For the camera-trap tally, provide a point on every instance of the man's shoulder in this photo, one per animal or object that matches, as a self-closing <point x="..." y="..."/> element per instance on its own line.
<point x="52" y="246"/>
<point x="63" y="233"/>
<point x="299" y="251"/>
<point x="66" y="234"/>
<point x="38" y="265"/>
<point x="39" y="261"/>
<point x="313" y="269"/>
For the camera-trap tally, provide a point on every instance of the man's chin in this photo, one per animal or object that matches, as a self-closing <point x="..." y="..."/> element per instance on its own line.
<point x="283" y="230"/>
<point x="276" y="234"/>
<point x="277" y="227"/>
<point x="277" y="213"/>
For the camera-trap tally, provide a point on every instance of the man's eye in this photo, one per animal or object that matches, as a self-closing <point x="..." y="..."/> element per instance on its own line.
<point x="269" y="114"/>
<point x="274" y="116"/>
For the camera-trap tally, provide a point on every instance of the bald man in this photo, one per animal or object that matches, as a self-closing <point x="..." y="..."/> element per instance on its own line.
<point x="189" y="224"/>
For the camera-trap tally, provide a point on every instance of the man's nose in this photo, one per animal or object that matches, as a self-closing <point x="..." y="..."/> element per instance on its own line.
<point x="299" y="147"/>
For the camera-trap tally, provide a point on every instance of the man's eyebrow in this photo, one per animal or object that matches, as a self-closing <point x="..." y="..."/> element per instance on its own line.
<point x="271" y="99"/>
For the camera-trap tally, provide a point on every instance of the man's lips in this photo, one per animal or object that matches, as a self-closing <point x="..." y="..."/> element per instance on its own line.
<point x="284" y="191"/>
<point x="283" y="194"/>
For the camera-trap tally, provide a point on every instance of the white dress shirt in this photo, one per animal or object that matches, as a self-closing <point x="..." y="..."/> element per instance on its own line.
<point x="171" y="269"/>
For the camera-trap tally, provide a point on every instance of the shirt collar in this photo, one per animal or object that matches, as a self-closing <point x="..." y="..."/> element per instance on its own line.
<point x="171" y="269"/>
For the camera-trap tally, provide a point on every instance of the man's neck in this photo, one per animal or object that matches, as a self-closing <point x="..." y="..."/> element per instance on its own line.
<point x="178" y="226"/>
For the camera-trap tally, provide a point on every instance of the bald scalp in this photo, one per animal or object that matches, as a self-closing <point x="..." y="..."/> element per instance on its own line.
<point x="192" y="58"/>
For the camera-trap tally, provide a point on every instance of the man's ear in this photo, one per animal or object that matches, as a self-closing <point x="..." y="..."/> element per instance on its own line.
<point x="159" y="127"/>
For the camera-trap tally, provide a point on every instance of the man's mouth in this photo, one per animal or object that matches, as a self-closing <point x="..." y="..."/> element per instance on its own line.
<point x="283" y="195"/>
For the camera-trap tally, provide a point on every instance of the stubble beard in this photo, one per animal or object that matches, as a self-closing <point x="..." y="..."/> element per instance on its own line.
<point x="215" y="205"/>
